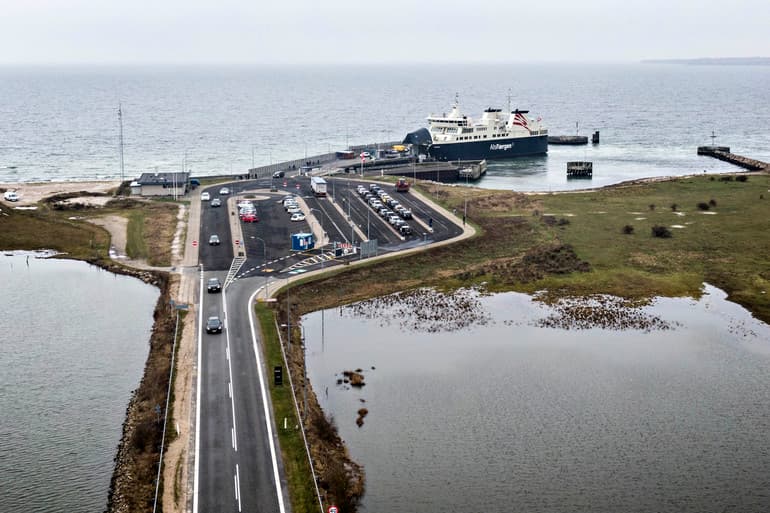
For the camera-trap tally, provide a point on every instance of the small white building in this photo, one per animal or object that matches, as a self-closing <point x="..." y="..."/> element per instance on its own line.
<point x="162" y="184"/>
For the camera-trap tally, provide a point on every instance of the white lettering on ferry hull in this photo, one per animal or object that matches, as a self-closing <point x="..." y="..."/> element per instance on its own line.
<point x="503" y="147"/>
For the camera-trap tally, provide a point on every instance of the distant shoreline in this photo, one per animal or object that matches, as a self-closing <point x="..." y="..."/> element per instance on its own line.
<point x="714" y="61"/>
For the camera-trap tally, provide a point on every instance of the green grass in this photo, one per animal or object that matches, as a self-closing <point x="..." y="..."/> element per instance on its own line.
<point x="298" y="475"/>
<point x="727" y="248"/>
<point x="136" y="246"/>
<point x="45" y="229"/>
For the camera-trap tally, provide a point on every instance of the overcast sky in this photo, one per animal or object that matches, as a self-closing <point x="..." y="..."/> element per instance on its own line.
<point x="345" y="31"/>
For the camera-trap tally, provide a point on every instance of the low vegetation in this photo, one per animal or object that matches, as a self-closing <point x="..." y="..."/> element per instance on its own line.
<point x="522" y="246"/>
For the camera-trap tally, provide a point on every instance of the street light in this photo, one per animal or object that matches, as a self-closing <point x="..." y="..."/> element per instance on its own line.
<point x="323" y="233"/>
<point x="264" y="259"/>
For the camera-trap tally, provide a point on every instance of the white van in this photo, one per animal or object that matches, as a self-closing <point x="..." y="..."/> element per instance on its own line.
<point x="10" y="196"/>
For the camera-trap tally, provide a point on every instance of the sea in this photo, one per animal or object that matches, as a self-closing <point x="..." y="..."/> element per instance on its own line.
<point x="61" y="123"/>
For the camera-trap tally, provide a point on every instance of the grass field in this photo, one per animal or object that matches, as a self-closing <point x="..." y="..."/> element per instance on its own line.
<point x="574" y="244"/>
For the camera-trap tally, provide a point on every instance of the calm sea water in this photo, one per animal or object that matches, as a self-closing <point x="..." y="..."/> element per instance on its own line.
<point x="61" y="123"/>
<point x="74" y="341"/>
<point x="503" y="414"/>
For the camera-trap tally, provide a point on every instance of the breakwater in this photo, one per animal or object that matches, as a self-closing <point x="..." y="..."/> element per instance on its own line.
<point x="723" y="153"/>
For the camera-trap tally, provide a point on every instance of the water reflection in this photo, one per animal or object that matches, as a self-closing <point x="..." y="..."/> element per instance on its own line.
<point x="510" y="414"/>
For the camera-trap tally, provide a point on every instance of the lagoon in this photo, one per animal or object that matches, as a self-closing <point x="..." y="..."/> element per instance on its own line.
<point x="498" y="407"/>
<point x="74" y="342"/>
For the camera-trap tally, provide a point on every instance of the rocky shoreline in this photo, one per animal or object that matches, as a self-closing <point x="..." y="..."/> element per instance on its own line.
<point x="132" y="486"/>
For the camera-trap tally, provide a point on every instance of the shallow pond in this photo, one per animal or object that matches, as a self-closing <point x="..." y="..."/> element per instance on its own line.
<point x="501" y="403"/>
<point x="74" y="342"/>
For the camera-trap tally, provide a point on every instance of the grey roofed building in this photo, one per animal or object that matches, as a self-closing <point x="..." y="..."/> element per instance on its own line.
<point x="163" y="184"/>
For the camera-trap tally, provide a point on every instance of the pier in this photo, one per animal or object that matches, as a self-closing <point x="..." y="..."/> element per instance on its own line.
<point x="572" y="140"/>
<point x="723" y="153"/>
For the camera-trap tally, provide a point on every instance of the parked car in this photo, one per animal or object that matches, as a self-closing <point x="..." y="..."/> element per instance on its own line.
<point x="249" y="218"/>
<point x="205" y="196"/>
<point x="214" y="240"/>
<point x="216" y="202"/>
<point x="405" y="213"/>
<point x="11" y="196"/>
<point x="214" y="285"/>
<point x="214" y="325"/>
<point x="299" y="216"/>
<point x="224" y="191"/>
<point x="293" y="210"/>
<point x="405" y="229"/>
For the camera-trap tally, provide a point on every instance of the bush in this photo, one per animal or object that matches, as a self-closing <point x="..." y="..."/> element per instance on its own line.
<point x="661" y="231"/>
<point x="674" y="206"/>
<point x="742" y="178"/>
<point x="652" y="206"/>
<point x="713" y="202"/>
<point x="727" y="178"/>
<point x="563" y="221"/>
<point x="628" y="229"/>
<point x="703" y="205"/>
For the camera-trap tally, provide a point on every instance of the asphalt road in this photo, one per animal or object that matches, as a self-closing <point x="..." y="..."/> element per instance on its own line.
<point x="236" y="464"/>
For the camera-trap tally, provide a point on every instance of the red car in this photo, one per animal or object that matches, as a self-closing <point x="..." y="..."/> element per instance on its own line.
<point x="249" y="218"/>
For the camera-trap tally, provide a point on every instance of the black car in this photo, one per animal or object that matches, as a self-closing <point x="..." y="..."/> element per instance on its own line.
<point x="214" y="285"/>
<point x="213" y="325"/>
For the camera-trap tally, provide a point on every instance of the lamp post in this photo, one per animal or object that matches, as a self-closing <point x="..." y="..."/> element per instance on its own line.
<point x="264" y="259"/>
<point x="253" y="166"/>
<point x="323" y="232"/>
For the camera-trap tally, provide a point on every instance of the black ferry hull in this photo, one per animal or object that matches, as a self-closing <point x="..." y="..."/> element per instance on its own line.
<point x="490" y="150"/>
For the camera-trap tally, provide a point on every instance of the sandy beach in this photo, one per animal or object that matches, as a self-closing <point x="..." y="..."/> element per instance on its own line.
<point x="31" y="193"/>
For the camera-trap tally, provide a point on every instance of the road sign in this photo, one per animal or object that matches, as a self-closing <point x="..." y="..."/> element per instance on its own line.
<point x="195" y="243"/>
<point x="297" y="186"/>
<point x="237" y="242"/>
<point x="284" y="183"/>
<point x="333" y="509"/>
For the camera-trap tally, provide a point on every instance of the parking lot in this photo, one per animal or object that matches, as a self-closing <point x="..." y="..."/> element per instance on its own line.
<point x="349" y="213"/>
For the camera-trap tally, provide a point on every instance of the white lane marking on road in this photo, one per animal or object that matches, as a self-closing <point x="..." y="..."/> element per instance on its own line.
<point x="230" y="390"/>
<point x="238" y="485"/>
<point x="235" y="438"/>
<point x="229" y="365"/>
<point x="276" y="477"/>
<point x="198" y="401"/>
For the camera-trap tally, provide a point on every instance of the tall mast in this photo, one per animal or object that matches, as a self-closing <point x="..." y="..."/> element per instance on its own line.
<point x="120" y="122"/>
<point x="509" y="100"/>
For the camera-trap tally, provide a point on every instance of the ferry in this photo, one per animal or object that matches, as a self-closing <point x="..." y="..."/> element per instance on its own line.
<point x="496" y="135"/>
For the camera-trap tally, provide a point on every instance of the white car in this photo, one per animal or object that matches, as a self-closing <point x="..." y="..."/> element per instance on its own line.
<point x="224" y="191"/>
<point x="205" y="196"/>
<point x="293" y="210"/>
<point x="10" y="196"/>
<point x="299" y="216"/>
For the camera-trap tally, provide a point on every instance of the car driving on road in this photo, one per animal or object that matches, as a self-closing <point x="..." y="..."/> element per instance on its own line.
<point x="298" y="216"/>
<point x="224" y="191"/>
<point x="214" y="325"/>
<point x="216" y="202"/>
<point x="214" y="285"/>
<point x="205" y="196"/>
<point x="214" y="240"/>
